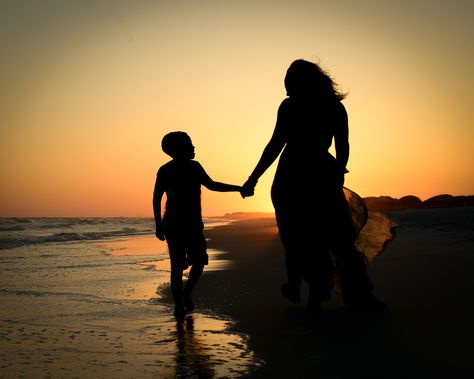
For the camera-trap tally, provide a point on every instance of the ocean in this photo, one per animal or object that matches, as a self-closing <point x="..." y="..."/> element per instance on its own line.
<point x="81" y="298"/>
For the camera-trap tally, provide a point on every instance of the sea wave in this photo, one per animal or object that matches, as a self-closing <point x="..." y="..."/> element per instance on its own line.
<point x="11" y="228"/>
<point x="12" y="241"/>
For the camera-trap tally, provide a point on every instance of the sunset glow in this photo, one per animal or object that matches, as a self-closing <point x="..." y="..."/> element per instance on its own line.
<point x="90" y="88"/>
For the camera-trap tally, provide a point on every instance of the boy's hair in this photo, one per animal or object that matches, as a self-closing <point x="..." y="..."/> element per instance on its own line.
<point x="173" y="142"/>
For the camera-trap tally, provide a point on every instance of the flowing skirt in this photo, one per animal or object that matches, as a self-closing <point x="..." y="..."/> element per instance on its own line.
<point x="329" y="238"/>
<point x="374" y="229"/>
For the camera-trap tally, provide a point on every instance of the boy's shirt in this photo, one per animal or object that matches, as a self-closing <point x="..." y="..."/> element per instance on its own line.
<point x="181" y="181"/>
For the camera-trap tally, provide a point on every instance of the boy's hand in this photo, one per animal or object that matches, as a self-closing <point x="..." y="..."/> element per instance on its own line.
<point x="160" y="235"/>
<point x="246" y="194"/>
<point x="248" y="189"/>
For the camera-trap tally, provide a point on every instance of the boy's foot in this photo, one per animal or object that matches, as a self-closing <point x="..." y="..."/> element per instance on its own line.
<point x="188" y="302"/>
<point x="179" y="311"/>
<point x="291" y="293"/>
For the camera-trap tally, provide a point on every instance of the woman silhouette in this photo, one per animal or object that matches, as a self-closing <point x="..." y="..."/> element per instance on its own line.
<point x="312" y="214"/>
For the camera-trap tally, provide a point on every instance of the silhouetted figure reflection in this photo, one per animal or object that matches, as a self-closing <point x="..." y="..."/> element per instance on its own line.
<point x="182" y="226"/>
<point x="307" y="193"/>
<point x="191" y="358"/>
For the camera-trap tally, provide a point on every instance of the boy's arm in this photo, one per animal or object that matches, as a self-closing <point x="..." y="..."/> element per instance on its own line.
<point x="217" y="186"/>
<point x="221" y="187"/>
<point x="157" y="196"/>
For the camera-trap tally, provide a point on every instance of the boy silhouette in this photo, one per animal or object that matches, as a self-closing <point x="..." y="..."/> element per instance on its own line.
<point x="181" y="225"/>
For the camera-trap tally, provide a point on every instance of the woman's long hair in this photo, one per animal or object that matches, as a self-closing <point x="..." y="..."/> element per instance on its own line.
<point x="307" y="79"/>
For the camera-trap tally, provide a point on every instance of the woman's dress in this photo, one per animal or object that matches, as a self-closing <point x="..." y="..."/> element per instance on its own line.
<point x="322" y="226"/>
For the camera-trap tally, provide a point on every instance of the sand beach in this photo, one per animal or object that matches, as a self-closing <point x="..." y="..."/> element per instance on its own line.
<point x="109" y="314"/>
<point x="424" y="275"/>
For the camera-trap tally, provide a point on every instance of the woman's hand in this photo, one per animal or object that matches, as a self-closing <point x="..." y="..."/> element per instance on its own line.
<point x="159" y="234"/>
<point x="341" y="171"/>
<point x="248" y="189"/>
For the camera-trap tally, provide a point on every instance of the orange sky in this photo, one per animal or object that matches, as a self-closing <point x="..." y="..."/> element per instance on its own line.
<point x="89" y="89"/>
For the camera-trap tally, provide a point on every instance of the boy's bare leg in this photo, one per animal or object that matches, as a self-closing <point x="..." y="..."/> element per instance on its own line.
<point x="194" y="275"/>
<point x="177" y="290"/>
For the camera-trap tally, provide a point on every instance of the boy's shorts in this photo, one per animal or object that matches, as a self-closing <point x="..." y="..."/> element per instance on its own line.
<point x="186" y="247"/>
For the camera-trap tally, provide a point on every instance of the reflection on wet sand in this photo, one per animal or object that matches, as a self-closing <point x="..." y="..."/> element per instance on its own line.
<point x="192" y="359"/>
<point x="199" y="345"/>
<point x="206" y="349"/>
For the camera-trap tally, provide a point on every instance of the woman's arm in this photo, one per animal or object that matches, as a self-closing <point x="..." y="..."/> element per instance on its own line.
<point x="272" y="149"/>
<point x="341" y="140"/>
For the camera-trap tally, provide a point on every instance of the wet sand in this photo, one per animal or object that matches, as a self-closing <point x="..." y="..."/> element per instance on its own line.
<point x="91" y="310"/>
<point x="424" y="276"/>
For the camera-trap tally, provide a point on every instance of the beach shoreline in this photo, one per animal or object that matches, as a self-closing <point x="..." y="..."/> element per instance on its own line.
<point x="92" y="307"/>
<point x="423" y="275"/>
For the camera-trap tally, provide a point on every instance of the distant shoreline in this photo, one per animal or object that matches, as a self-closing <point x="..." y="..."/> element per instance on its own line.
<point x="387" y="203"/>
<point x="374" y="203"/>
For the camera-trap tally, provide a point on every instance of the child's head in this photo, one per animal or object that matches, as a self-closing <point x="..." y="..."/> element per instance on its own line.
<point x="178" y="145"/>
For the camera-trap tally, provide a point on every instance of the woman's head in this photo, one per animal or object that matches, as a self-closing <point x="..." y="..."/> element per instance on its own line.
<point x="307" y="79"/>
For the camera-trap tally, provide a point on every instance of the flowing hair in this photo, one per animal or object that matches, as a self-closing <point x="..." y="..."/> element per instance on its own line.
<point x="304" y="78"/>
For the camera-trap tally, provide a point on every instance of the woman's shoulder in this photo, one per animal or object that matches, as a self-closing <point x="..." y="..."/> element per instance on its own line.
<point x="340" y="106"/>
<point x="341" y="110"/>
<point x="286" y="105"/>
<point x="335" y="108"/>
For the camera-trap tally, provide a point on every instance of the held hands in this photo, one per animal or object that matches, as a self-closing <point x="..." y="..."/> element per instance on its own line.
<point x="248" y="189"/>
